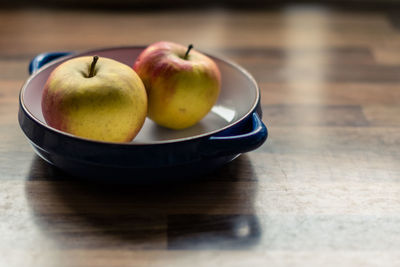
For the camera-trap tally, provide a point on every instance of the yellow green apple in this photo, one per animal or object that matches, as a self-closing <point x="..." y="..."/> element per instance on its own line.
<point x="182" y="84"/>
<point x="95" y="98"/>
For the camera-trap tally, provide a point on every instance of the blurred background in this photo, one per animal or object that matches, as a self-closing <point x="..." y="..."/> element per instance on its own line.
<point x="186" y="3"/>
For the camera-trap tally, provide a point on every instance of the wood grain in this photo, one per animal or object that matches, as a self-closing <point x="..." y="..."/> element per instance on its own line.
<point x="324" y="190"/>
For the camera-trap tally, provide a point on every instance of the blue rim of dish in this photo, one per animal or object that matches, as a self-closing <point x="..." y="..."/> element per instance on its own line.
<point x="207" y="134"/>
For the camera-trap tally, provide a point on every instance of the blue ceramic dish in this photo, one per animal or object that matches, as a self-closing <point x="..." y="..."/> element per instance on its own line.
<point x="233" y="127"/>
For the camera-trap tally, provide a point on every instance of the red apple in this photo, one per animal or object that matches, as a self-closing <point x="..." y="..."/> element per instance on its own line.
<point x="182" y="84"/>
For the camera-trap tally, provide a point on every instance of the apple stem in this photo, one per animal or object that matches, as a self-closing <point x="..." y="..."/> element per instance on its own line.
<point x="187" y="52"/>
<point x="91" y="73"/>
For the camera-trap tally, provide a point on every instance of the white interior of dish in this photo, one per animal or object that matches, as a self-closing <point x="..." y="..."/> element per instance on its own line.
<point x="238" y="96"/>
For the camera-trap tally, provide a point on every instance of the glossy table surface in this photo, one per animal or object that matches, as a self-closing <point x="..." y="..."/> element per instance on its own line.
<point x="324" y="190"/>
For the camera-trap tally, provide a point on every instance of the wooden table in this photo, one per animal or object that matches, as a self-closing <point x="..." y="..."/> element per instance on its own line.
<point x="324" y="190"/>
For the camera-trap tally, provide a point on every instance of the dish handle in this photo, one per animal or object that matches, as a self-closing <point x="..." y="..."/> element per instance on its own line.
<point x="44" y="58"/>
<point x="225" y="144"/>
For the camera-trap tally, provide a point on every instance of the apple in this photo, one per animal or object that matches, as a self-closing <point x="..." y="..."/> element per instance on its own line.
<point x="95" y="98"/>
<point x="182" y="84"/>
